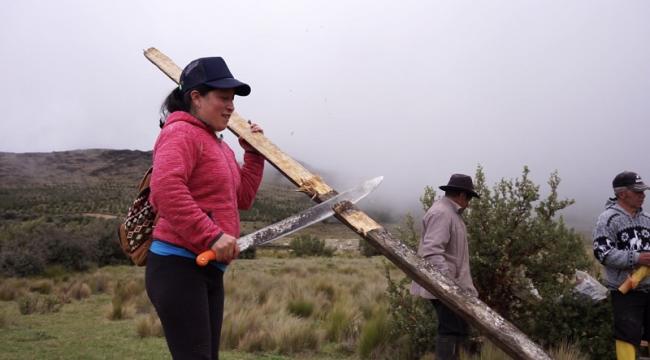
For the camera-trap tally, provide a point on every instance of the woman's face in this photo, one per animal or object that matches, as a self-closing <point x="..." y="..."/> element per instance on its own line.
<point x="214" y="108"/>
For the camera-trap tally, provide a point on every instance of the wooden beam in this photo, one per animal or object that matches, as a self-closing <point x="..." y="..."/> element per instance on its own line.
<point x="502" y="333"/>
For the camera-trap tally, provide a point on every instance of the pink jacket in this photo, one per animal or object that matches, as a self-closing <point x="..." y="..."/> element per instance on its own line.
<point x="197" y="187"/>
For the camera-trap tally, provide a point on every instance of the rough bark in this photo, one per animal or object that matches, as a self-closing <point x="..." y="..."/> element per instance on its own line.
<point x="502" y="333"/>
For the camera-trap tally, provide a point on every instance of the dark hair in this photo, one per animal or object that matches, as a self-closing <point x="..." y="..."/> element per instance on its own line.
<point x="456" y="193"/>
<point x="179" y="101"/>
<point x="453" y="192"/>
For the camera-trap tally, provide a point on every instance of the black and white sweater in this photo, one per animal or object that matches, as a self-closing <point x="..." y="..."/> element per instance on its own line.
<point x="618" y="240"/>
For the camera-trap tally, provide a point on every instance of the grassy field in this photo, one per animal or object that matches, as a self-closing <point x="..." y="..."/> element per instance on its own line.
<point x="275" y="309"/>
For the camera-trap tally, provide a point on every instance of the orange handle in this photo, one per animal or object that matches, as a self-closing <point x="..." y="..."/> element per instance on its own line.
<point x="634" y="280"/>
<point x="205" y="257"/>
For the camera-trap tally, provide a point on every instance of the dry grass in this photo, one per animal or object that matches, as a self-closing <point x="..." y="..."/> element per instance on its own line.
<point x="567" y="352"/>
<point x="293" y="306"/>
<point x="11" y="289"/>
<point x="149" y="325"/>
<point x="288" y="306"/>
<point x="78" y="291"/>
<point x="4" y="319"/>
<point x="123" y="304"/>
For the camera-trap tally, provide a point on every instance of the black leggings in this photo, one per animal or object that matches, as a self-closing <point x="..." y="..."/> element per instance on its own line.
<point x="189" y="302"/>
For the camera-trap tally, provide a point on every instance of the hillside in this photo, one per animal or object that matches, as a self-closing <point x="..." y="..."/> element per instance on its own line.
<point x="100" y="181"/>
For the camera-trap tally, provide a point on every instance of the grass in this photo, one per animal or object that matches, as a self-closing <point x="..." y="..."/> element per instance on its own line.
<point x="289" y="308"/>
<point x="105" y="314"/>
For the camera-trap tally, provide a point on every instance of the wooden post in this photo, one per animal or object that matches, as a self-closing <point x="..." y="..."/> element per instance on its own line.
<point x="502" y="333"/>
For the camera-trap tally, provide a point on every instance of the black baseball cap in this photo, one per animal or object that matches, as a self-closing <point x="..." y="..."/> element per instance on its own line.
<point x="212" y="72"/>
<point x="630" y="180"/>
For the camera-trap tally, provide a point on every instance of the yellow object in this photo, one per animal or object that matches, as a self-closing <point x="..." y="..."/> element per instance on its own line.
<point x="634" y="279"/>
<point x="625" y="351"/>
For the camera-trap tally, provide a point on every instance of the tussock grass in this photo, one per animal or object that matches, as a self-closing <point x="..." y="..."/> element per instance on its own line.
<point x="33" y="303"/>
<point x="11" y="289"/>
<point x="296" y="336"/>
<point x="347" y="297"/>
<point x="300" y="308"/>
<point x="4" y="319"/>
<point x="99" y="283"/>
<point x="143" y="305"/>
<point x="567" y="352"/>
<point x="78" y="291"/>
<point x="149" y="326"/>
<point x="44" y="286"/>
<point x="122" y="306"/>
<point x="375" y="336"/>
<point x="292" y="306"/>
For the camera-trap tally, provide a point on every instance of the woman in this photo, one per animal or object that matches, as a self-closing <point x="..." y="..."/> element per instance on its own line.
<point x="197" y="188"/>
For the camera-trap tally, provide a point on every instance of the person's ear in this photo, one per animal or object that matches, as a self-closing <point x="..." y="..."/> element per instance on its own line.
<point x="195" y="98"/>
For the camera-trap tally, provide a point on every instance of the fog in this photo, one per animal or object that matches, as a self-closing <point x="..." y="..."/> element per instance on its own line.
<point x="412" y="90"/>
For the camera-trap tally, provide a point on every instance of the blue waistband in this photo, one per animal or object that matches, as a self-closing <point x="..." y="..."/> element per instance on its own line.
<point x="163" y="248"/>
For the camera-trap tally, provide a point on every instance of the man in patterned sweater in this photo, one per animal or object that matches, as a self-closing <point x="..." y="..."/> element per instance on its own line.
<point x="621" y="244"/>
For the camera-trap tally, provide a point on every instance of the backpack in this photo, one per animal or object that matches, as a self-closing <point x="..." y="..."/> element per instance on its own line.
<point x="135" y="233"/>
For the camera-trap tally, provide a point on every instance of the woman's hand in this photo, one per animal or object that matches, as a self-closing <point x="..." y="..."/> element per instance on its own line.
<point x="255" y="128"/>
<point x="226" y="249"/>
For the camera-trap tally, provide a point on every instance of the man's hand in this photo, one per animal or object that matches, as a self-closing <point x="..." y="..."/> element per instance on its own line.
<point x="226" y="248"/>
<point x="644" y="258"/>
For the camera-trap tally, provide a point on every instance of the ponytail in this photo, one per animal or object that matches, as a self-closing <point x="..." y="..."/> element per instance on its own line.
<point x="179" y="101"/>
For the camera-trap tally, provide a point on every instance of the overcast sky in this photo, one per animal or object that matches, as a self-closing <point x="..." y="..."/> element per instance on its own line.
<point x="412" y="90"/>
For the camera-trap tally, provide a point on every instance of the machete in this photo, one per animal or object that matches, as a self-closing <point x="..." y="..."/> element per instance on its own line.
<point x="296" y="222"/>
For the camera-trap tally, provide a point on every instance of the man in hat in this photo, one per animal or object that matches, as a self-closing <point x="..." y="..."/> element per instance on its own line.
<point x="621" y="243"/>
<point x="444" y="245"/>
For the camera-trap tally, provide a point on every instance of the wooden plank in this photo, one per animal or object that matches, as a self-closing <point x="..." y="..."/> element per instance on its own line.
<point x="307" y="182"/>
<point x="502" y="333"/>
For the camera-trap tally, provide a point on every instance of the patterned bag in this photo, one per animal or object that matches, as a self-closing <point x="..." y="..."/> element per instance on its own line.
<point x="136" y="232"/>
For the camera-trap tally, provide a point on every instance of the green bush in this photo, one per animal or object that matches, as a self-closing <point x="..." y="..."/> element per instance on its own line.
<point x="414" y="318"/>
<point x="514" y="236"/>
<point x="366" y="249"/>
<point x="72" y="242"/>
<point x="307" y="245"/>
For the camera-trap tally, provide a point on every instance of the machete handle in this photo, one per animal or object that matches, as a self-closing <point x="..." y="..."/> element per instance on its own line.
<point x="632" y="281"/>
<point x="205" y="257"/>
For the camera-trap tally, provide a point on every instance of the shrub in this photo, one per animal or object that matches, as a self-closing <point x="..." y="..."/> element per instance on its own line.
<point x="513" y="237"/>
<point x="411" y="315"/>
<point x="307" y="245"/>
<point x="19" y="258"/>
<point x="366" y="249"/>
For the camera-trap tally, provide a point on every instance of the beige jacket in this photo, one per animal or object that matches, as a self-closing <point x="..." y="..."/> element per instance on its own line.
<point x="444" y="245"/>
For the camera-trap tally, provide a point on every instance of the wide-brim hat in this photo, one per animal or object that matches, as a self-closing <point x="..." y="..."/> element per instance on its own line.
<point x="212" y="72"/>
<point x="460" y="182"/>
